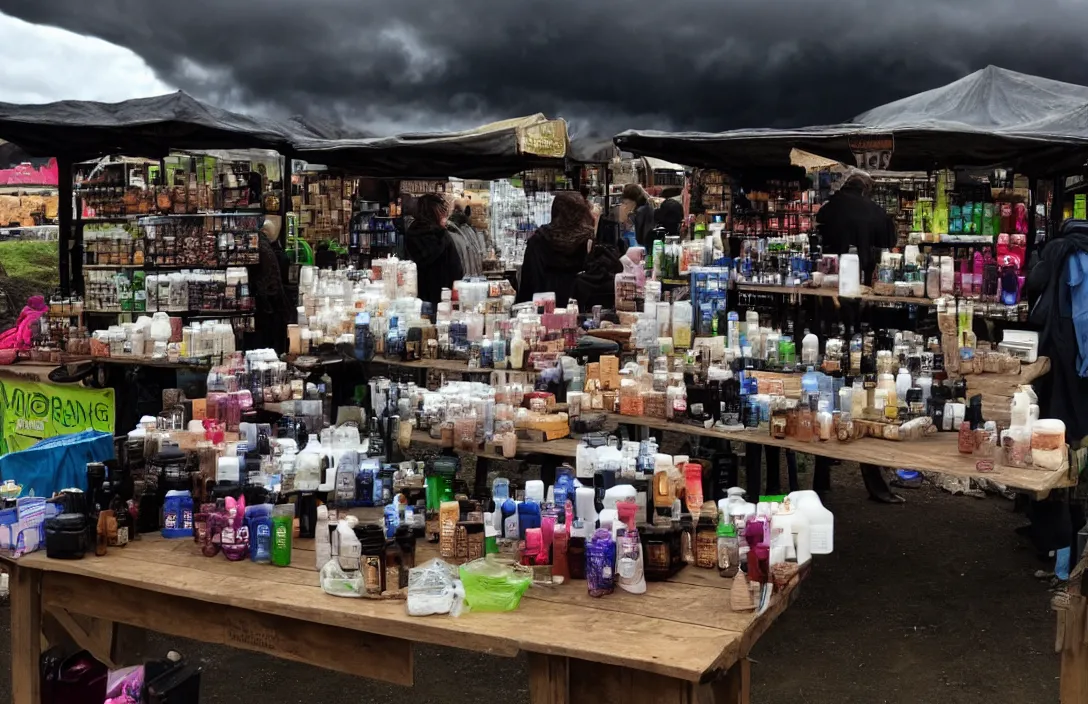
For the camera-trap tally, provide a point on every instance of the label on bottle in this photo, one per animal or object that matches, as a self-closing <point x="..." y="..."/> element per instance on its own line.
<point x="281" y="543"/>
<point x="120" y="538"/>
<point x="820" y="539"/>
<point x="372" y="574"/>
<point x="657" y="557"/>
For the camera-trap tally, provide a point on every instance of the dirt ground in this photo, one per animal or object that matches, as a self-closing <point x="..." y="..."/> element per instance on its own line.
<point x="932" y="601"/>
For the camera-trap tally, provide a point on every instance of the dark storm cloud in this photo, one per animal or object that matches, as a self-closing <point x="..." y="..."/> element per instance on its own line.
<point x="605" y="65"/>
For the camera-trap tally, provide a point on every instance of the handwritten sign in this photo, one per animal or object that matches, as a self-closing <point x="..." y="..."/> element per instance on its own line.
<point x="547" y="139"/>
<point x="31" y="411"/>
<point x="873" y="152"/>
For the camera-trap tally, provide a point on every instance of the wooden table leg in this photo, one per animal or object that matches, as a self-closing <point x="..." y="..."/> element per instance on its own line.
<point x="549" y="679"/>
<point x="26" y="628"/>
<point x="1073" y="645"/>
<point x="555" y="679"/>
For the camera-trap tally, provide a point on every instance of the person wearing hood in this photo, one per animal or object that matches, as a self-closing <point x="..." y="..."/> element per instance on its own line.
<point x="669" y="218"/>
<point x="638" y="204"/>
<point x="429" y="244"/>
<point x="556" y="253"/>
<point x="852" y="218"/>
<point x="470" y="244"/>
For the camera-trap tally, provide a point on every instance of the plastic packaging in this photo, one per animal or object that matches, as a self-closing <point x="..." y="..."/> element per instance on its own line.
<point x="600" y="562"/>
<point x="493" y="584"/>
<point x="433" y="588"/>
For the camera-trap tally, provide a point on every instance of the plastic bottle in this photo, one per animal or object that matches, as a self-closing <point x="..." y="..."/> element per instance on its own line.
<point x="810" y="385"/>
<point x="820" y="520"/>
<point x="259" y="520"/>
<point x="283" y="518"/>
<point x="630" y="571"/>
<point x="177" y="515"/>
<point x="902" y="384"/>
<point x="728" y="549"/>
<point x="850" y="274"/>
<point x="681" y="324"/>
<point x="810" y="350"/>
<point x="517" y="351"/>
<point x="308" y="465"/>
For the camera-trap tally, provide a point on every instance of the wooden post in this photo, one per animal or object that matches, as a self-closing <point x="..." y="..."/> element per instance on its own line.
<point x="1074" y="651"/>
<point x="549" y="679"/>
<point x="26" y="628"/>
<point x="590" y="683"/>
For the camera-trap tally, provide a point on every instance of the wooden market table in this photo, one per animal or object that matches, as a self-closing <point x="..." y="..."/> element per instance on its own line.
<point x="937" y="453"/>
<point x="679" y="642"/>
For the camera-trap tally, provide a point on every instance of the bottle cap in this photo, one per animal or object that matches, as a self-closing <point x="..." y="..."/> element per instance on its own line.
<point x="726" y="530"/>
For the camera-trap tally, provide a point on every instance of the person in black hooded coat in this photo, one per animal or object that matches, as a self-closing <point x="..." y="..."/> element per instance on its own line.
<point x="1063" y="393"/>
<point x="556" y="252"/>
<point x="430" y="246"/>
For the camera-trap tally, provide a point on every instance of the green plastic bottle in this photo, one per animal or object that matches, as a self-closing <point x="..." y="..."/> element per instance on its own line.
<point x="283" y="519"/>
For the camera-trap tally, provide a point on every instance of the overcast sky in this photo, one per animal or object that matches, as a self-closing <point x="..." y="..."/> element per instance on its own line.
<point x="606" y="65"/>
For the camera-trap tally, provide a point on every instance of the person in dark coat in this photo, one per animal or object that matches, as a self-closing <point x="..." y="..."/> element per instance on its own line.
<point x="670" y="217"/>
<point x="1053" y="284"/>
<point x="642" y="214"/>
<point x="595" y="285"/>
<point x="851" y="219"/>
<point x="271" y="307"/>
<point x="429" y="245"/>
<point x="557" y="251"/>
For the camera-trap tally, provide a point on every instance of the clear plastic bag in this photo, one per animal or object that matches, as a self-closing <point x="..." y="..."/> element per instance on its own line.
<point x="433" y="588"/>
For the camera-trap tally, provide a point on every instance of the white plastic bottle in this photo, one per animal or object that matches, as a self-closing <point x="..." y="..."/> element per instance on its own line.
<point x="517" y="351"/>
<point x="820" y="520"/>
<point x="902" y="385"/>
<point x="850" y="274"/>
<point x="810" y="350"/>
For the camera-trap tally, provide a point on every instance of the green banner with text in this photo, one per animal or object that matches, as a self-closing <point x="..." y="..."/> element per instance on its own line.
<point x="32" y="410"/>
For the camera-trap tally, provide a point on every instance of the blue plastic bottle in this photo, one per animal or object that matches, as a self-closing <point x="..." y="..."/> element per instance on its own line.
<point x="392" y="520"/>
<point x="177" y="515"/>
<point x="259" y="520"/>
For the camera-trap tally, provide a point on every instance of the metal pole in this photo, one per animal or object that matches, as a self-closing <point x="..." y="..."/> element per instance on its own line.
<point x="65" y="224"/>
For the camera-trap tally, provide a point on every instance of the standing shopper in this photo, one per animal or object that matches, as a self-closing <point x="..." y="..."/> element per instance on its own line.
<point x="852" y="219"/>
<point x="430" y="246"/>
<point x="637" y="203"/>
<point x="556" y="252"/>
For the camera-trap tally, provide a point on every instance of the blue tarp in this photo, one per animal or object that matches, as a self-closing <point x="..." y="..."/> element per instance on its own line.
<point x="56" y="463"/>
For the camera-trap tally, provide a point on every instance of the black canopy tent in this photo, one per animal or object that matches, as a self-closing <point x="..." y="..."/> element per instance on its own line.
<point x="77" y="130"/>
<point x="150" y="127"/>
<point x="991" y="117"/>
<point x="494" y="150"/>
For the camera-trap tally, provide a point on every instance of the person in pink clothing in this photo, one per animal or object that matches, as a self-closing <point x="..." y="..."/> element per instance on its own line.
<point x="21" y="335"/>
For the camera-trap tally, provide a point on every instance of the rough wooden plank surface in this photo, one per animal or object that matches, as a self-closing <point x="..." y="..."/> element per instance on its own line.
<point x="625" y="632"/>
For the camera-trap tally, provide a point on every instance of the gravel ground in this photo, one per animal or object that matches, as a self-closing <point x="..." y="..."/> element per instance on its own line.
<point x="931" y="601"/>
